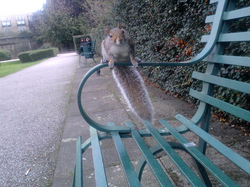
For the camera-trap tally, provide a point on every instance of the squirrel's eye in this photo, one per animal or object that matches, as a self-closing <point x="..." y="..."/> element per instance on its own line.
<point x="123" y="32"/>
<point x="110" y="36"/>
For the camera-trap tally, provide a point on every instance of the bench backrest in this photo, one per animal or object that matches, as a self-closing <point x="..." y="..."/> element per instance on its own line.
<point x="220" y="65"/>
<point x="93" y="46"/>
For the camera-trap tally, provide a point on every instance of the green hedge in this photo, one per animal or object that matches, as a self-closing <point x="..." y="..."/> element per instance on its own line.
<point x="43" y="53"/>
<point x="34" y="55"/>
<point x="5" y="55"/>
<point x="25" y="56"/>
<point x="171" y="31"/>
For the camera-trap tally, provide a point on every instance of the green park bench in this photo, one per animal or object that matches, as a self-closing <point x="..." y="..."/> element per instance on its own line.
<point x="213" y="53"/>
<point x="88" y="52"/>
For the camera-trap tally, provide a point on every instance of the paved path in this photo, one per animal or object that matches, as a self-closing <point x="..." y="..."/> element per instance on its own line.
<point x="33" y="107"/>
<point x="8" y="60"/>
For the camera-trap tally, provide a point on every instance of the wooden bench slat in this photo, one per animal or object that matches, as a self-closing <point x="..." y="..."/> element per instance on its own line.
<point x="155" y="150"/>
<point x="220" y="147"/>
<point x="210" y="166"/>
<point x="213" y="1"/>
<point x="235" y="14"/>
<point x="181" y="165"/>
<point x="232" y="84"/>
<point x="230" y="60"/>
<point x="235" y="37"/>
<point x="143" y="133"/>
<point x="100" y="175"/>
<point x="230" y="37"/>
<point x="239" y="112"/>
<point x="129" y="170"/>
<point x="157" y="170"/>
<point x="209" y="19"/>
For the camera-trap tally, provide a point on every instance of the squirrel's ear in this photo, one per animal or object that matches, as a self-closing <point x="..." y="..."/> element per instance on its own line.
<point x="107" y="30"/>
<point x="119" y="25"/>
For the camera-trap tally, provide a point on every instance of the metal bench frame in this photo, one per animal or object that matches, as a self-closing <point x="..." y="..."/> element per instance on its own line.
<point x="213" y="54"/>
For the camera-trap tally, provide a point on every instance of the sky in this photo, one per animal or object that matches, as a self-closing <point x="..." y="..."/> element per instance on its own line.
<point x="8" y="7"/>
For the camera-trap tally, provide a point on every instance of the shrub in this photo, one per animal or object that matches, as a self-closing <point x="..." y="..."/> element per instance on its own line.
<point x="56" y="51"/>
<point x="31" y="56"/>
<point x="25" y="57"/>
<point x="41" y="54"/>
<point x="5" y="55"/>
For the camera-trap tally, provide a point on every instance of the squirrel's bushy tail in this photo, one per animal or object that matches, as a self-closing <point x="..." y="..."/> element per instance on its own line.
<point x="134" y="91"/>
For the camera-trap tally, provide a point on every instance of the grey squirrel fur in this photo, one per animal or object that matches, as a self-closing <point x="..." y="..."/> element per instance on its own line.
<point x="119" y="47"/>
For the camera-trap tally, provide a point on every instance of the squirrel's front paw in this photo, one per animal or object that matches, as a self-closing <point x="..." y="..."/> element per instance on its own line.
<point x="111" y="64"/>
<point x="135" y="64"/>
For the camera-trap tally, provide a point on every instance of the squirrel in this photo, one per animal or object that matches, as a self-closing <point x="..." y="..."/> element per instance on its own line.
<point x="119" y="47"/>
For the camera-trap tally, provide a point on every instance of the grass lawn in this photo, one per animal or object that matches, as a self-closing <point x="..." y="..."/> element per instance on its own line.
<point x="14" y="66"/>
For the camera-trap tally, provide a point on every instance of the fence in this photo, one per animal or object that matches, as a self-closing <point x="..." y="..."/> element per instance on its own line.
<point x="18" y="44"/>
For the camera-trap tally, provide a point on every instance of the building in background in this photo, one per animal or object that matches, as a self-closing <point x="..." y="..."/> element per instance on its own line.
<point x="15" y="23"/>
<point x="10" y="27"/>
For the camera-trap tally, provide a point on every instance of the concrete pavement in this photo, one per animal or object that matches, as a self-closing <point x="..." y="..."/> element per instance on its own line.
<point x="8" y="60"/>
<point x="34" y="103"/>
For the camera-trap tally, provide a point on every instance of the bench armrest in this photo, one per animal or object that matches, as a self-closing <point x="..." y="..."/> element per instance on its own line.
<point x="104" y="128"/>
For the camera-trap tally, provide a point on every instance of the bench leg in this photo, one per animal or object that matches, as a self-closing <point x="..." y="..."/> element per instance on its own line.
<point x="203" y="174"/>
<point x="94" y="59"/>
<point x="78" y="171"/>
<point x="78" y="178"/>
<point x="202" y="146"/>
